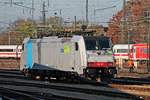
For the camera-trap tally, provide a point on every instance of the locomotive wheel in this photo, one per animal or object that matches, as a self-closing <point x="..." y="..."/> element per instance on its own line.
<point x="27" y="74"/>
<point x="114" y="76"/>
<point x="41" y="77"/>
<point x="98" y="79"/>
<point x="33" y="77"/>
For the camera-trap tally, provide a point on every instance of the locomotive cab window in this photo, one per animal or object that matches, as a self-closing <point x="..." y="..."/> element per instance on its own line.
<point x="134" y="50"/>
<point x="6" y="50"/>
<point x="97" y="43"/>
<point x="22" y="47"/>
<point x="145" y="50"/>
<point x="104" y="43"/>
<point x="141" y="49"/>
<point x="76" y="46"/>
<point x="122" y="50"/>
<point x="90" y="44"/>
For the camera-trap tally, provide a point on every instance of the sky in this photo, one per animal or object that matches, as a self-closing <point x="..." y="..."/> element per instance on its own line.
<point x="69" y="8"/>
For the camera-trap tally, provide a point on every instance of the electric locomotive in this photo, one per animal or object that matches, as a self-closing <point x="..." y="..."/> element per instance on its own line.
<point x="54" y="57"/>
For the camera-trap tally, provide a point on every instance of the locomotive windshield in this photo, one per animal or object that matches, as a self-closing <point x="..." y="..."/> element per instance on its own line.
<point x="97" y="43"/>
<point x="90" y="44"/>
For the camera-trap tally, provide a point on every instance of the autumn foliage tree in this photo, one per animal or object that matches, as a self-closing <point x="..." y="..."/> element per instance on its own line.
<point x="25" y="27"/>
<point x="16" y="33"/>
<point x="135" y="15"/>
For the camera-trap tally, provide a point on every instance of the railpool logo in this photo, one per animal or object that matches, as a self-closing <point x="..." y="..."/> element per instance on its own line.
<point x="66" y="49"/>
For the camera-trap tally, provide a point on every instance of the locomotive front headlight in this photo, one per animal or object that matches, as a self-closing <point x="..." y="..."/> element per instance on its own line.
<point x="87" y="70"/>
<point x="109" y="70"/>
<point x="100" y="71"/>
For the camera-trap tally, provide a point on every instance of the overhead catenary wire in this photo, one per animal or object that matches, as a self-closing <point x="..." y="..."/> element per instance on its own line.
<point x="56" y="4"/>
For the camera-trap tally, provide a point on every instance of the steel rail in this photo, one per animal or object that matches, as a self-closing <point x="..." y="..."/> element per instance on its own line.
<point x="109" y="93"/>
<point x="8" y="94"/>
<point x="131" y="81"/>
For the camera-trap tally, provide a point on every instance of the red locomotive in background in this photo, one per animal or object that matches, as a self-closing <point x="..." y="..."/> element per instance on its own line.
<point x="138" y="55"/>
<point x="139" y="52"/>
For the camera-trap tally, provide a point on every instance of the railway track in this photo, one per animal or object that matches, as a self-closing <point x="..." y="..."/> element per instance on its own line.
<point x="15" y="81"/>
<point x="135" y="86"/>
<point x="77" y="88"/>
<point x="9" y="94"/>
<point x="10" y="71"/>
<point x="12" y="74"/>
<point x="134" y="89"/>
<point x="18" y="75"/>
<point x="101" y="91"/>
<point x="131" y="81"/>
<point x="121" y="80"/>
<point x="13" y="94"/>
